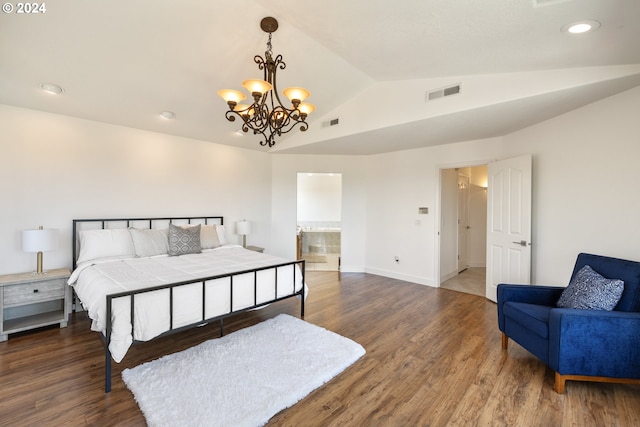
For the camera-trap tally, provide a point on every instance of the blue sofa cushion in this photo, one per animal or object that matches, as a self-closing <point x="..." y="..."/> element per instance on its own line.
<point x="534" y="317"/>
<point x="588" y="290"/>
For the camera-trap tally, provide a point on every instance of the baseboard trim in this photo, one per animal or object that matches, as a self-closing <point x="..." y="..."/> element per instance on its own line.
<point x="399" y="276"/>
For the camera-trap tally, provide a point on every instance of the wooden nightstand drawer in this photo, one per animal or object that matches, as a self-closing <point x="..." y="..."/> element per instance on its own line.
<point x="47" y="290"/>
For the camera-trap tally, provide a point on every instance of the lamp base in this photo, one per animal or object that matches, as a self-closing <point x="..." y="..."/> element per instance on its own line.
<point x="39" y="271"/>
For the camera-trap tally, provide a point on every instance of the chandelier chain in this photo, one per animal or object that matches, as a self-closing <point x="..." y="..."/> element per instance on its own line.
<point x="269" y="50"/>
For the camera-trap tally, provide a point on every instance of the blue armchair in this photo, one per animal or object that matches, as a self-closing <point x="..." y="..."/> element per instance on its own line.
<point x="578" y="344"/>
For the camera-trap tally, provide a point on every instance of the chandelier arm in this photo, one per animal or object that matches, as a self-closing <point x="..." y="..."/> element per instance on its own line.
<point x="260" y="61"/>
<point x="303" y="127"/>
<point x="270" y="140"/>
<point x="249" y="125"/>
<point x="258" y="122"/>
<point x="261" y="119"/>
<point x="231" y="116"/>
<point x="277" y="63"/>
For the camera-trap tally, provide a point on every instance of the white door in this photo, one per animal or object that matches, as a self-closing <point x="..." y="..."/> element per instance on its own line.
<point x="508" y="223"/>
<point x="463" y="222"/>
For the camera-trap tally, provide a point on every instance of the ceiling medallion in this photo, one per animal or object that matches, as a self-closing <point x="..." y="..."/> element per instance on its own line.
<point x="267" y="115"/>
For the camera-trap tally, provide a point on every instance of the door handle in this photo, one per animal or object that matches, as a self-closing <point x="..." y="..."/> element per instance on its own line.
<point x="522" y="243"/>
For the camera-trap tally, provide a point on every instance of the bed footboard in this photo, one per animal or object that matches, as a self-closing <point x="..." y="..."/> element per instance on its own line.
<point x="278" y="295"/>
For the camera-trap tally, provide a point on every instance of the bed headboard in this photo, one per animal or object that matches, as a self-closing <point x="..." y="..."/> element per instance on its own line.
<point x="107" y="223"/>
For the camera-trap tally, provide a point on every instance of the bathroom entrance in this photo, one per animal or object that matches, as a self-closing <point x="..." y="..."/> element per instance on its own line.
<point x="319" y="220"/>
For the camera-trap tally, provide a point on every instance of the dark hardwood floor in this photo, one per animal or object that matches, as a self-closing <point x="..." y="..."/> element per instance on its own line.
<point x="433" y="359"/>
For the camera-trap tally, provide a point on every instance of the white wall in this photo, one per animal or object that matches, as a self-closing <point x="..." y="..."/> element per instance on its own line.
<point x="398" y="183"/>
<point x="319" y="197"/>
<point x="381" y="197"/>
<point x="585" y="178"/>
<point x="285" y="168"/>
<point x="56" y="168"/>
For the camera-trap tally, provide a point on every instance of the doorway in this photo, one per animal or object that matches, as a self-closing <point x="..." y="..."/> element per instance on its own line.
<point x="463" y="228"/>
<point x="319" y="216"/>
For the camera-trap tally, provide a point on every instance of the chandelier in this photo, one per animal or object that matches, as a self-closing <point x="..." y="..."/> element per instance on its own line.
<point x="267" y="115"/>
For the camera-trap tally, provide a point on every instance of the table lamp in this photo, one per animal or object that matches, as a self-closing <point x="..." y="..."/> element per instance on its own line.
<point x="39" y="240"/>
<point x="243" y="227"/>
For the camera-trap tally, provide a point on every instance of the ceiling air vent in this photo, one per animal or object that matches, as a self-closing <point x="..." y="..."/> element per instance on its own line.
<point x="332" y="122"/>
<point x="445" y="91"/>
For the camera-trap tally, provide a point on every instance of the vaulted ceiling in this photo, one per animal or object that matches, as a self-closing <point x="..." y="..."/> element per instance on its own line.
<point x="367" y="63"/>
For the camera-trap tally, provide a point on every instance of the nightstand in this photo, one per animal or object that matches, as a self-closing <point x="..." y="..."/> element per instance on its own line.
<point x="255" y="248"/>
<point x="29" y="300"/>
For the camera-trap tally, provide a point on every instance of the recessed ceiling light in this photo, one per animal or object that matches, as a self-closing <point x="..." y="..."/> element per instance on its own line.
<point x="51" y="88"/>
<point x="581" y="27"/>
<point x="168" y="115"/>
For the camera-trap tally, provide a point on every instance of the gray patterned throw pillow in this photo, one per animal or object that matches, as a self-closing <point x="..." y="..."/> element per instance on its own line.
<point x="184" y="240"/>
<point x="588" y="290"/>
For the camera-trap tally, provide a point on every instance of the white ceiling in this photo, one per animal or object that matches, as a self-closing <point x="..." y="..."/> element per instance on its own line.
<point x="368" y="62"/>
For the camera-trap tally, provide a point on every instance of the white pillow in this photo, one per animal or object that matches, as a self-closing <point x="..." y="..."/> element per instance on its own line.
<point x="222" y="238"/>
<point x="110" y="243"/>
<point x="150" y="242"/>
<point x="209" y="237"/>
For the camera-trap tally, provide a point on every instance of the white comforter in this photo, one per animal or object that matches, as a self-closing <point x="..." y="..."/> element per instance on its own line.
<point x="92" y="281"/>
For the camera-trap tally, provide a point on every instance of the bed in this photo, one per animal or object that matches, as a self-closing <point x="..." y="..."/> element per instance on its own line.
<point x="141" y="278"/>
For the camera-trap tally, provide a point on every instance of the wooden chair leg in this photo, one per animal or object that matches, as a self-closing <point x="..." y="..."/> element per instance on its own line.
<point x="505" y="341"/>
<point x="561" y="379"/>
<point x="558" y="386"/>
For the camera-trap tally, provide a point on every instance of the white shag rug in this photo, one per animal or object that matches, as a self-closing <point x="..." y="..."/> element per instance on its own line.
<point x="243" y="378"/>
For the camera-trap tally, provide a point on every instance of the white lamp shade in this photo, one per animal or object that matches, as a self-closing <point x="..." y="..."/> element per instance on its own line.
<point x="243" y="227"/>
<point x="39" y="240"/>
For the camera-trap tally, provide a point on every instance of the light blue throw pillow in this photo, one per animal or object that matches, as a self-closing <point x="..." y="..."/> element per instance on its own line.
<point x="588" y="290"/>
